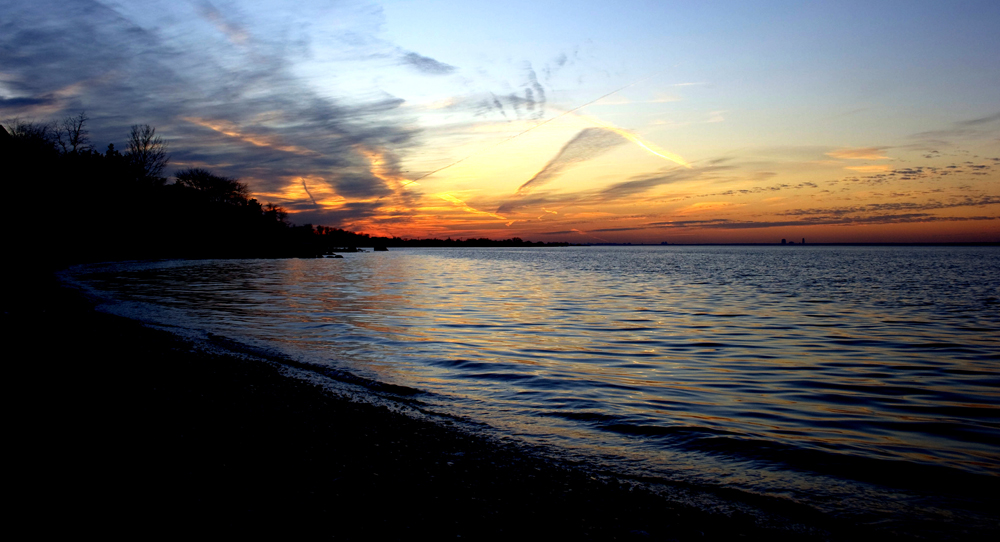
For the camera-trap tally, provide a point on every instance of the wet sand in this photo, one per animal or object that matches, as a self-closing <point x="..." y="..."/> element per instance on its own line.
<point x="124" y="430"/>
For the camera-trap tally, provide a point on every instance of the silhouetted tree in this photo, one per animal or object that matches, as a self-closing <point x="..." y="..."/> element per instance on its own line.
<point x="29" y="154"/>
<point x="74" y="204"/>
<point x="72" y="135"/>
<point x="147" y="153"/>
<point x="214" y="188"/>
<point x="31" y="134"/>
<point x="30" y="180"/>
<point x="276" y="213"/>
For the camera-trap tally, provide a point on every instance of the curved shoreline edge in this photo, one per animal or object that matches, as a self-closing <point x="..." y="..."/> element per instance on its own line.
<point x="124" y="429"/>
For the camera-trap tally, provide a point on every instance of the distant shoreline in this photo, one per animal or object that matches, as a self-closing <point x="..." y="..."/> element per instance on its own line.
<point x="955" y="244"/>
<point x="562" y="245"/>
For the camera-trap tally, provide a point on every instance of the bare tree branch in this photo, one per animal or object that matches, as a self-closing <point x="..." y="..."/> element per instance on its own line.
<point x="72" y="136"/>
<point x="215" y="187"/>
<point x="28" y="130"/>
<point x="147" y="152"/>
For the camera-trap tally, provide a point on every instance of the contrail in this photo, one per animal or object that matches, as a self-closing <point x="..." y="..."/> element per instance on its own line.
<point x="306" y="188"/>
<point x="465" y="206"/>
<point x="587" y="144"/>
<point x="539" y="125"/>
<point x="651" y="148"/>
<point x="581" y="232"/>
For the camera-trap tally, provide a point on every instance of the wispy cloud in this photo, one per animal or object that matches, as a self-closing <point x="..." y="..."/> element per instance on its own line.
<point x="861" y="153"/>
<point x="465" y="206"/>
<point x="221" y="94"/>
<point x="235" y="32"/>
<point x="426" y="64"/>
<point x="869" y="169"/>
<point x="616" y="192"/>
<point x="620" y="100"/>
<point x="290" y="101"/>
<point x="730" y="224"/>
<point x="643" y="183"/>
<point x="644" y="145"/>
<point x="968" y="201"/>
<point x="761" y="189"/>
<point x="230" y="129"/>
<point x="980" y="121"/>
<point x="968" y="170"/>
<point x="971" y="128"/>
<point x="586" y="145"/>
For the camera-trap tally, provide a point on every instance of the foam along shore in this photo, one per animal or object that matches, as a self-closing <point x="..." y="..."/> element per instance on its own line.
<point x="124" y="430"/>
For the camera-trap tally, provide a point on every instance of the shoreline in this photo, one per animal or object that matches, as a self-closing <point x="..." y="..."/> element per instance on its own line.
<point x="154" y="434"/>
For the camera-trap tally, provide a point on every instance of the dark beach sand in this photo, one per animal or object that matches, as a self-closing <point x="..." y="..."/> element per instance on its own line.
<point x="127" y="431"/>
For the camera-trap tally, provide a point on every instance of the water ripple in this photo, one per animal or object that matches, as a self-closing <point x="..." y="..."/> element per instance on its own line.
<point x="853" y="365"/>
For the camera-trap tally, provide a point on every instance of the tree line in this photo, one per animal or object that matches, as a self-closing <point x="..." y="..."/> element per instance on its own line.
<point x="73" y="203"/>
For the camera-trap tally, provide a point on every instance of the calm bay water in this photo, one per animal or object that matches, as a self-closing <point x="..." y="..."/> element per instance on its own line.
<point x="863" y="381"/>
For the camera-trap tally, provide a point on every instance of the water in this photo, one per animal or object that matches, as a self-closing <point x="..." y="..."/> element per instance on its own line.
<point x="862" y="381"/>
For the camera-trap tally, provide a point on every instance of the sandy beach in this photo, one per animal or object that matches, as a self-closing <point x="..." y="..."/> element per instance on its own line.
<point x="125" y="430"/>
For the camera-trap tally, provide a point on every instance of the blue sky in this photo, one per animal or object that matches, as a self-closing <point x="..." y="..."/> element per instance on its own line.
<point x="720" y="121"/>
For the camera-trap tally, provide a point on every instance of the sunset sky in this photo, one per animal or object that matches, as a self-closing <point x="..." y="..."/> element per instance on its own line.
<point x="576" y="121"/>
